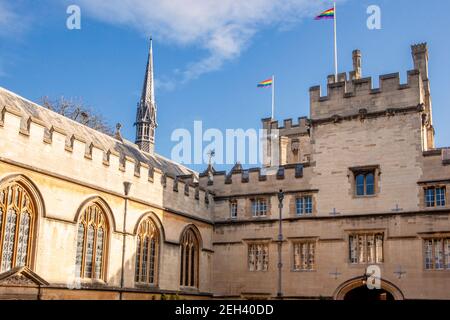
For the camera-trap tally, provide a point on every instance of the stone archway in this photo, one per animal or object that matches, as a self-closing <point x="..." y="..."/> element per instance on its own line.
<point x="356" y="289"/>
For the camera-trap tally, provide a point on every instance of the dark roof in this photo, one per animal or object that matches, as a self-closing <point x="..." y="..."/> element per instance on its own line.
<point x="125" y="147"/>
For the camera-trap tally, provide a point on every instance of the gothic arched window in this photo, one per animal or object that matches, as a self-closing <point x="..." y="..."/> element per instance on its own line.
<point x="17" y="216"/>
<point x="147" y="251"/>
<point x="189" y="259"/>
<point x="91" y="243"/>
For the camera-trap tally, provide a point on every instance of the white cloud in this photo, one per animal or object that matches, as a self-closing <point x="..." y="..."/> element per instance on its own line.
<point x="11" y="23"/>
<point x="12" y="27"/>
<point x="223" y="28"/>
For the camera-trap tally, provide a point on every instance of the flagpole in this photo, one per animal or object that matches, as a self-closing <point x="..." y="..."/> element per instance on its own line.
<point x="335" y="46"/>
<point x="273" y="97"/>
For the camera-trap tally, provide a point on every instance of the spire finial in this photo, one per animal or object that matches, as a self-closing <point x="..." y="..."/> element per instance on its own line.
<point x="146" y="112"/>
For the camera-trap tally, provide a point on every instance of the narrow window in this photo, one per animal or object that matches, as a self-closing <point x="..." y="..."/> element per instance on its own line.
<point x="189" y="259"/>
<point x="233" y="209"/>
<point x="429" y="254"/>
<point x="353" y="250"/>
<point x="147" y="246"/>
<point x="17" y="216"/>
<point x="447" y="253"/>
<point x="437" y="253"/>
<point x="440" y="197"/>
<point x="429" y="197"/>
<point x="434" y="196"/>
<point x="370" y="184"/>
<point x="299" y="206"/>
<point x="304" y="256"/>
<point x="360" y="185"/>
<point x="91" y="243"/>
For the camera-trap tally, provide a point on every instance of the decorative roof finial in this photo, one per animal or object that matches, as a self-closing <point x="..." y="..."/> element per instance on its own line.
<point x="117" y="134"/>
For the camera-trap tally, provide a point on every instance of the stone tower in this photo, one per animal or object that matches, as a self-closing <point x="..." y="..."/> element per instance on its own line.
<point x="420" y="57"/>
<point x="146" y="110"/>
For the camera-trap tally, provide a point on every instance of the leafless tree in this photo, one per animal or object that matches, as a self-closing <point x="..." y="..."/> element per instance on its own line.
<point x="77" y="111"/>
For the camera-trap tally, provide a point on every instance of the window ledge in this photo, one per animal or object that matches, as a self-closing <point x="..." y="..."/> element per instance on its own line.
<point x="435" y="207"/>
<point x="359" y="264"/>
<point x="437" y="270"/>
<point x="86" y="282"/>
<point x="365" y="196"/>
<point x="304" y="215"/>
<point x="189" y="289"/>
<point x="306" y="271"/>
<point x="142" y="285"/>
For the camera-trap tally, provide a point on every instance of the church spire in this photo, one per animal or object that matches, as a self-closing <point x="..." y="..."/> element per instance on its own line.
<point x="146" y="110"/>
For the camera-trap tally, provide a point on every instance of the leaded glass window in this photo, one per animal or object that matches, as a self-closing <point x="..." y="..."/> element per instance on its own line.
<point x="258" y="257"/>
<point x="91" y="243"/>
<point x="303" y="205"/>
<point x="304" y="255"/>
<point x="429" y="254"/>
<point x="147" y="252"/>
<point x="79" y="256"/>
<point x="189" y="259"/>
<point x="437" y="253"/>
<point x="17" y="216"/>
<point x="366" y="248"/>
<point x="434" y="196"/>
<point x="24" y="229"/>
<point x="259" y="207"/>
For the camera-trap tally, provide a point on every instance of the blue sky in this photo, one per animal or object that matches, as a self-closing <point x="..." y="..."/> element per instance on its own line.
<point x="208" y="60"/>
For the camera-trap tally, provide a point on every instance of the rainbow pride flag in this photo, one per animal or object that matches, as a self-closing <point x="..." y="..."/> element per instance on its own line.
<point x="328" y="14"/>
<point x="265" y="83"/>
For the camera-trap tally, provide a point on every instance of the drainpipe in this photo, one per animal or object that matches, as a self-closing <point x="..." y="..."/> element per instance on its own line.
<point x="280" y="242"/>
<point x="126" y="190"/>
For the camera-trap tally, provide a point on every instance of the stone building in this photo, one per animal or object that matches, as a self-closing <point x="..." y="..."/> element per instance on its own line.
<point x="87" y="216"/>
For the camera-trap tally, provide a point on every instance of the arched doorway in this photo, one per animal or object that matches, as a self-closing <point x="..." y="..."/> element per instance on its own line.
<point x="365" y="294"/>
<point x="356" y="289"/>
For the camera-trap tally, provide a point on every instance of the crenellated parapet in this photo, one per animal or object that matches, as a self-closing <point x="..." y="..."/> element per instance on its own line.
<point x="262" y="179"/>
<point x="355" y="95"/>
<point x="101" y="162"/>
<point x="301" y="127"/>
<point x="348" y="97"/>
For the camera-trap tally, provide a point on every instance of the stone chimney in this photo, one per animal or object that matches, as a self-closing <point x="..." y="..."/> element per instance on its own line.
<point x="356" y="73"/>
<point x="420" y="57"/>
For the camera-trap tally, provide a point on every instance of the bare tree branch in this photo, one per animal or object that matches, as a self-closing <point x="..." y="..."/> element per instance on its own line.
<point x="78" y="112"/>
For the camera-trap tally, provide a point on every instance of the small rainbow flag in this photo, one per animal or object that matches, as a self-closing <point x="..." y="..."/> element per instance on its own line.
<point x="265" y="83"/>
<point x="328" y="14"/>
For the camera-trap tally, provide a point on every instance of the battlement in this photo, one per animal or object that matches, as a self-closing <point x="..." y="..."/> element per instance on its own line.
<point x="346" y="98"/>
<point x="256" y="178"/>
<point x="29" y="142"/>
<point x="348" y="95"/>
<point x="288" y="127"/>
